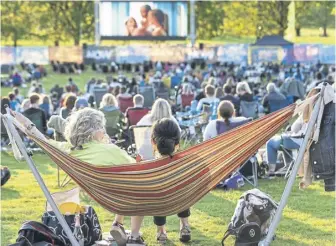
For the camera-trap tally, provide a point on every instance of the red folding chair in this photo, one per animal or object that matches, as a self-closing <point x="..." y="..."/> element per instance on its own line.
<point x="186" y="99"/>
<point x="134" y="115"/>
<point x="125" y="103"/>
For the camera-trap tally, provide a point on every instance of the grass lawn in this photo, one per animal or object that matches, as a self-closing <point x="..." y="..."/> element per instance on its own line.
<point x="307" y="220"/>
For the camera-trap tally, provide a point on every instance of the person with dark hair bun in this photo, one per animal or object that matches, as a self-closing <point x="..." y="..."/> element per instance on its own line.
<point x="165" y="140"/>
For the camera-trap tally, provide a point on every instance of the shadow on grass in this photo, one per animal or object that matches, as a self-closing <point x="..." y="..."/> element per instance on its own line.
<point x="9" y="194"/>
<point x="43" y="163"/>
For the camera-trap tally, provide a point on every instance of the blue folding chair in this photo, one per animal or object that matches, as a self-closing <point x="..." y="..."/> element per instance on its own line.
<point x="175" y="81"/>
<point x="275" y="105"/>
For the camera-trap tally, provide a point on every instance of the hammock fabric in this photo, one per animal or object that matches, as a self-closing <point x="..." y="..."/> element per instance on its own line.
<point x="169" y="185"/>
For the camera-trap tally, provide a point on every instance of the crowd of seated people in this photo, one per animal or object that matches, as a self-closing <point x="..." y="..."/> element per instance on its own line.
<point x="88" y="119"/>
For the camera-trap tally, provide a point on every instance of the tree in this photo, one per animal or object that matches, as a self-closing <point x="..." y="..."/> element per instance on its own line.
<point x="301" y="9"/>
<point x="74" y="18"/>
<point x="17" y="20"/>
<point x="240" y="18"/>
<point x="272" y="17"/>
<point x="209" y="19"/>
<point x="321" y="14"/>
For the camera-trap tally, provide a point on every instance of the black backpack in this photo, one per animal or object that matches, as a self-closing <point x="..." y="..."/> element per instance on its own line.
<point x="36" y="234"/>
<point x="252" y="217"/>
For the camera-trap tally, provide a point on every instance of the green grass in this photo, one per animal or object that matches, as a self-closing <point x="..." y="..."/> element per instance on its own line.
<point x="307" y="220"/>
<point x="308" y="36"/>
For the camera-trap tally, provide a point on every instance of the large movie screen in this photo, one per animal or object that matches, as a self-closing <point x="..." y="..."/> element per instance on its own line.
<point x="143" y="20"/>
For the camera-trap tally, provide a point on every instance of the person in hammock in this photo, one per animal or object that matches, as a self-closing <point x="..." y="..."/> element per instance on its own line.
<point x="165" y="140"/>
<point x="87" y="141"/>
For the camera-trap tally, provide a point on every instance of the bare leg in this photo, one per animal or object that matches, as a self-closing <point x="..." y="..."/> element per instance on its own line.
<point x="119" y="218"/>
<point x="184" y="222"/>
<point x="136" y="222"/>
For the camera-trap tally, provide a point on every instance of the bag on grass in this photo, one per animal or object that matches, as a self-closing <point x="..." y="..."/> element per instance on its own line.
<point x="89" y="225"/>
<point x="34" y="233"/>
<point x="252" y="217"/>
<point x="5" y="175"/>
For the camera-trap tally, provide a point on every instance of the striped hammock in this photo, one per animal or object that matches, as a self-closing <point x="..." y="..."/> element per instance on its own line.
<point x="167" y="186"/>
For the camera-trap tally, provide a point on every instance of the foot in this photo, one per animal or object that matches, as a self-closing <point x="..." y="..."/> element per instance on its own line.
<point x="162" y="237"/>
<point x="118" y="233"/>
<point x="135" y="241"/>
<point x="185" y="234"/>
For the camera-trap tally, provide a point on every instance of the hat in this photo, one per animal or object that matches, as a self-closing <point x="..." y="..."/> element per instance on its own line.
<point x="81" y="103"/>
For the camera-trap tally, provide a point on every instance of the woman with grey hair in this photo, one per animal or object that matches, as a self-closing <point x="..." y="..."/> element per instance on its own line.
<point x="274" y="95"/>
<point x="86" y="139"/>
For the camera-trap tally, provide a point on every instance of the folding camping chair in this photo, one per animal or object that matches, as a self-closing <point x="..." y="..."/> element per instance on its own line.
<point x="275" y="105"/>
<point x="186" y="99"/>
<point x="98" y="94"/>
<point x="254" y="162"/>
<point x="288" y="157"/>
<point x="134" y="115"/>
<point x="125" y="103"/>
<point x="249" y="109"/>
<point x="141" y="138"/>
<point x="149" y="95"/>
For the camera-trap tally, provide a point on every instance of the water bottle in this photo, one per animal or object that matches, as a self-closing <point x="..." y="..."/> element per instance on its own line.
<point x="78" y="233"/>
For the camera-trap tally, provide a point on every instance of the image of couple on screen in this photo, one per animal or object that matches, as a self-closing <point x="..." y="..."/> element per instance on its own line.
<point x="154" y="22"/>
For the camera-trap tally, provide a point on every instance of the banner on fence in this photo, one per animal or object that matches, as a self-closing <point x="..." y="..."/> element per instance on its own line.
<point x="259" y="54"/>
<point x="132" y="54"/>
<point x="207" y="54"/>
<point x="306" y="53"/>
<point x="327" y="54"/>
<point x="99" y="54"/>
<point x="7" y="55"/>
<point x="236" y="53"/>
<point x="170" y="54"/>
<point x="66" y="54"/>
<point x="38" y="55"/>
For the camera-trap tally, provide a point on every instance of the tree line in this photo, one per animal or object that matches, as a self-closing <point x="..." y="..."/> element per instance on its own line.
<point x="60" y="21"/>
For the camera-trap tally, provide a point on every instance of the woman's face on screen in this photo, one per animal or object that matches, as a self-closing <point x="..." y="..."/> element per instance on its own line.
<point x="131" y="25"/>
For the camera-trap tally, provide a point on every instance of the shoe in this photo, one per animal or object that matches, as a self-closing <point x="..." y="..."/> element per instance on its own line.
<point x="118" y="233"/>
<point x="135" y="241"/>
<point x="282" y="171"/>
<point x="161" y="237"/>
<point x="185" y="234"/>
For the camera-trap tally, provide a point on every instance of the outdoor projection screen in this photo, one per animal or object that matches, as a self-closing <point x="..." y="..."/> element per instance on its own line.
<point x="143" y="20"/>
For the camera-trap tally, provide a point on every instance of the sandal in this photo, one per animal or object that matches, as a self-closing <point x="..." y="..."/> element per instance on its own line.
<point x="161" y="237"/>
<point x="185" y="234"/>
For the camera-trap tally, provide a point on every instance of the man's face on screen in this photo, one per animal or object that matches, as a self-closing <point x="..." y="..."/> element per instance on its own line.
<point x="143" y="12"/>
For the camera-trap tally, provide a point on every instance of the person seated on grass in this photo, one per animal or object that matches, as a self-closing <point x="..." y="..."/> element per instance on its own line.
<point x="18" y="97"/>
<point x="138" y="102"/>
<point x="227" y="121"/>
<point x="86" y="140"/>
<point x="272" y="94"/>
<point x="36" y="114"/>
<point x="209" y="99"/>
<point x="46" y="106"/>
<point x="228" y="96"/>
<point x="115" y="119"/>
<point x="289" y="140"/>
<point x="13" y="104"/>
<point x="69" y="104"/>
<point x="244" y="92"/>
<point x="165" y="141"/>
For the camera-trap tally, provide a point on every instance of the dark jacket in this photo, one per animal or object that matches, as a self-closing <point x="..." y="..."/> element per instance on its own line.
<point x="322" y="153"/>
<point x="246" y="97"/>
<point x="200" y="96"/>
<point x="233" y="99"/>
<point x="274" y="96"/>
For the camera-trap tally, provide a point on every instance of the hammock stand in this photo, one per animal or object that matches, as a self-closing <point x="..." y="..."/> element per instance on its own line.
<point x="269" y="238"/>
